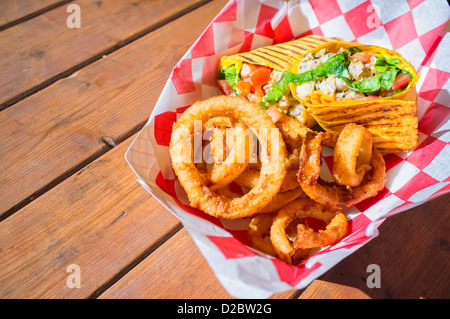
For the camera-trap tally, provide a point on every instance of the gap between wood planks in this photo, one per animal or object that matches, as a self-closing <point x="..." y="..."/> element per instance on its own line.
<point x="97" y="56"/>
<point x="33" y="14"/>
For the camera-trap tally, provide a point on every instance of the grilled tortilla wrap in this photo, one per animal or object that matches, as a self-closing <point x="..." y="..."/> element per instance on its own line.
<point x="279" y="58"/>
<point x="330" y="82"/>
<point x="390" y="115"/>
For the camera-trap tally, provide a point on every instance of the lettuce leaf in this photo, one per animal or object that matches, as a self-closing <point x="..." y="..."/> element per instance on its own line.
<point x="337" y="64"/>
<point x="381" y="80"/>
<point x="353" y="50"/>
<point x="382" y="64"/>
<point x="231" y="75"/>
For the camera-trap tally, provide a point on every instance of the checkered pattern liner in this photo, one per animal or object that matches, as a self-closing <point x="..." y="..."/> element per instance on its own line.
<point x="411" y="27"/>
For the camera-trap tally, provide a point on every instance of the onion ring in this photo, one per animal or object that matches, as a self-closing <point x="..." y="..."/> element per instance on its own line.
<point x="289" y="190"/>
<point x="228" y="165"/>
<point x="279" y="200"/>
<point x="352" y="154"/>
<point x="272" y="156"/>
<point x="307" y="238"/>
<point x="282" y="199"/>
<point x="259" y="233"/>
<point x="300" y="207"/>
<point x="293" y="131"/>
<point x="331" y="193"/>
<point x="249" y="178"/>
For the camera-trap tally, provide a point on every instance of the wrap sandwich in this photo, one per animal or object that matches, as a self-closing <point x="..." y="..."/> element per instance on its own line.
<point x="251" y="74"/>
<point x="331" y="83"/>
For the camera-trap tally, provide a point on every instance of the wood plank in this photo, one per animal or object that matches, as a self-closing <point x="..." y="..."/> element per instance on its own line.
<point x="100" y="219"/>
<point x="53" y="132"/>
<point x="319" y="289"/>
<point x="412" y="252"/>
<point x="176" y="270"/>
<point x="41" y="50"/>
<point x="18" y="10"/>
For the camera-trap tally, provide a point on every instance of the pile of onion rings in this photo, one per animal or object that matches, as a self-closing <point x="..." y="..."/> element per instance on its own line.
<point x="280" y="181"/>
<point x="333" y="194"/>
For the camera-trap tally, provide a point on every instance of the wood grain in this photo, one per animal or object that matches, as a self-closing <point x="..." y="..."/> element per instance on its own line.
<point x="55" y="131"/>
<point x="31" y="60"/>
<point x="18" y="10"/>
<point x="320" y="289"/>
<point x="176" y="270"/>
<point x="100" y="219"/>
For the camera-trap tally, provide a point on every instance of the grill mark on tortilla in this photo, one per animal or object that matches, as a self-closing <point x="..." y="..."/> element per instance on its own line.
<point x="400" y="118"/>
<point x="356" y="111"/>
<point x="300" y="47"/>
<point x="313" y="41"/>
<point x="368" y="114"/>
<point x="372" y="117"/>
<point x="298" y="52"/>
<point x="400" y="125"/>
<point x="249" y="59"/>
<point x="268" y="59"/>
<point x="279" y="51"/>
<point x="283" y="57"/>
<point x="374" y="122"/>
<point x="319" y="39"/>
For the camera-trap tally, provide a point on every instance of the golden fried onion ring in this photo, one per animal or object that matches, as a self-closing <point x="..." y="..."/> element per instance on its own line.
<point x="259" y="233"/>
<point x="230" y="148"/>
<point x="282" y="199"/>
<point x="249" y="178"/>
<point x="293" y="131"/>
<point x="305" y="207"/>
<point x="272" y="155"/>
<point x="331" y="193"/>
<point x="352" y="154"/>
<point x="307" y="238"/>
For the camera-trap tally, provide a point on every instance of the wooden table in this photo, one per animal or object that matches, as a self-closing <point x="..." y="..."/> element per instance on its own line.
<point x="71" y="102"/>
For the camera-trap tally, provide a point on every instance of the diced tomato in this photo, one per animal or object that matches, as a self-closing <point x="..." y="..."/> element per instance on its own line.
<point x="247" y="69"/>
<point x="243" y="87"/>
<point x="401" y="81"/>
<point x="260" y="76"/>
<point x="259" y="92"/>
<point x="274" y="113"/>
<point x="364" y="57"/>
<point x="225" y="87"/>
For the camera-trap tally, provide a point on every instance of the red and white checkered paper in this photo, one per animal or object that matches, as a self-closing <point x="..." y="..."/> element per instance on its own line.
<point x="411" y="27"/>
